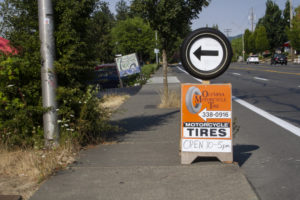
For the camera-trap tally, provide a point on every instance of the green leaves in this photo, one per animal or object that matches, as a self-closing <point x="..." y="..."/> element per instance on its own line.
<point x="294" y="32"/>
<point x="134" y="35"/>
<point x="273" y="22"/>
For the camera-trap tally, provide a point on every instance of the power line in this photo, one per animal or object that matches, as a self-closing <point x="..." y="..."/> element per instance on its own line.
<point x="227" y="31"/>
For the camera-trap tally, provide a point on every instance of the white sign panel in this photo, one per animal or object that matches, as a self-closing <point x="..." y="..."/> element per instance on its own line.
<point x="206" y="53"/>
<point x="194" y="145"/>
<point x="128" y="65"/>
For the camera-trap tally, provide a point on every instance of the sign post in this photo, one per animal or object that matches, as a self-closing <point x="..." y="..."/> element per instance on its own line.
<point x="206" y="113"/>
<point x="206" y="122"/>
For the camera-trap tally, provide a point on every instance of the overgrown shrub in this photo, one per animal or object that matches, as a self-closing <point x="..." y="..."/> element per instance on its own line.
<point x="21" y="110"/>
<point x="79" y="114"/>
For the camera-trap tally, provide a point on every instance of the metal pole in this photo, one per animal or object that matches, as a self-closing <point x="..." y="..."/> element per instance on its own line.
<point x="243" y="43"/>
<point x="291" y="26"/>
<point x="156" y="47"/>
<point x="46" y="28"/>
<point x="252" y="20"/>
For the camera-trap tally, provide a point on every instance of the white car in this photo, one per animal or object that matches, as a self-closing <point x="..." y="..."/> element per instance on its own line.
<point x="253" y="59"/>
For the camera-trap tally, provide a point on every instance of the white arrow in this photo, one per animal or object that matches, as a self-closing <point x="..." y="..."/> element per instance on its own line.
<point x="205" y="114"/>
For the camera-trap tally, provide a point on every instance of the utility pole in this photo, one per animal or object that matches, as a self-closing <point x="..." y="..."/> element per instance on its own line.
<point x="243" y="44"/>
<point x="291" y="26"/>
<point x="156" y="49"/>
<point x="48" y="76"/>
<point x="252" y="19"/>
<point x="227" y="31"/>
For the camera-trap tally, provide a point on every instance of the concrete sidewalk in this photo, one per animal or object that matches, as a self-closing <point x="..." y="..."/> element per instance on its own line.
<point x="145" y="163"/>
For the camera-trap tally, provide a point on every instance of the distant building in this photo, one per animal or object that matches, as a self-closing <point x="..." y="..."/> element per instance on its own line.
<point x="6" y="48"/>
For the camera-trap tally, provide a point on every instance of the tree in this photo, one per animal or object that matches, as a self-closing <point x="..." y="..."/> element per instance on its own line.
<point x="247" y="35"/>
<point x="294" y="32"/>
<point x="99" y="34"/>
<point x="251" y="43"/>
<point x="20" y="81"/>
<point x="134" y="35"/>
<point x="274" y="24"/>
<point x="122" y="10"/>
<point x="237" y="47"/>
<point x="261" y="40"/>
<point x="286" y="14"/>
<point x="169" y="18"/>
<point x="215" y="26"/>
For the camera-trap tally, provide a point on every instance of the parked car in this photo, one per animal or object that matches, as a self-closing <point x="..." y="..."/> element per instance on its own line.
<point x="253" y="59"/>
<point x="106" y="75"/>
<point x="278" y="59"/>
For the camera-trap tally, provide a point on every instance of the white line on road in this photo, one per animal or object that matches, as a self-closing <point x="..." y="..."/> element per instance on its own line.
<point x="284" y="124"/>
<point x="262" y="79"/>
<point x="236" y="74"/>
<point x="189" y="74"/>
<point x="295" y="130"/>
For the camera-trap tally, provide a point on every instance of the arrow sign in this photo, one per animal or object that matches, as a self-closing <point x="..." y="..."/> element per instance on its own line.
<point x="199" y="52"/>
<point x="205" y="114"/>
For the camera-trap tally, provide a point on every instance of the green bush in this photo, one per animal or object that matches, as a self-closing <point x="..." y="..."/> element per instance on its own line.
<point x="147" y="70"/>
<point x="21" y="111"/>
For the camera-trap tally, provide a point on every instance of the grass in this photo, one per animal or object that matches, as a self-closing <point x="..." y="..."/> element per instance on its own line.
<point x="113" y="101"/>
<point x="22" y="170"/>
<point x="173" y="100"/>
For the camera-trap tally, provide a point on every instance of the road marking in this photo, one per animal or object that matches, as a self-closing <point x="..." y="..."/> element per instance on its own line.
<point x="284" y="124"/>
<point x="295" y="130"/>
<point x="236" y="74"/>
<point x="189" y="74"/>
<point x="159" y="80"/>
<point x="262" y="79"/>
<point x="273" y="71"/>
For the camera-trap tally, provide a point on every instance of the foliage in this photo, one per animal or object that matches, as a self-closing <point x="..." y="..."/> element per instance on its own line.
<point x="21" y="110"/>
<point x="274" y="24"/>
<point x="169" y="17"/>
<point x="251" y="42"/>
<point x="134" y="35"/>
<point x="147" y="70"/>
<point x="237" y="48"/>
<point x="99" y="37"/>
<point x="123" y="10"/>
<point x="286" y="14"/>
<point x="247" y="35"/>
<point x="78" y="40"/>
<point x="294" y="32"/>
<point x="261" y="40"/>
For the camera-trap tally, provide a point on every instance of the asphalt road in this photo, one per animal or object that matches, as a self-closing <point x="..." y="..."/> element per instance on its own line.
<point x="267" y="146"/>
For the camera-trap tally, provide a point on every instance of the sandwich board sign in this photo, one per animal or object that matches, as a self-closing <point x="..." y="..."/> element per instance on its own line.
<point x="206" y="53"/>
<point x="206" y="122"/>
<point x="128" y="65"/>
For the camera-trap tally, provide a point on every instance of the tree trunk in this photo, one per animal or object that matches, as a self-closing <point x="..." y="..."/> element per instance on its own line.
<point x="165" y="75"/>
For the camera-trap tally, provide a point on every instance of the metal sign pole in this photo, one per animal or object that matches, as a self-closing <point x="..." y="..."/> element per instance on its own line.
<point x="46" y="27"/>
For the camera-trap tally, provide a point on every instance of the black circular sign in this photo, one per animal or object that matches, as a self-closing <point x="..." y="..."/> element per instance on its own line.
<point x="206" y="53"/>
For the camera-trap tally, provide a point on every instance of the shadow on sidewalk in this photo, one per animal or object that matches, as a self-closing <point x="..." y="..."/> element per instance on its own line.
<point x="138" y="123"/>
<point x="241" y="153"/>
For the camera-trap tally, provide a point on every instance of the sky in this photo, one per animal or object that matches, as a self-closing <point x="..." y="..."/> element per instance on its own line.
<point x="229" y="14"/>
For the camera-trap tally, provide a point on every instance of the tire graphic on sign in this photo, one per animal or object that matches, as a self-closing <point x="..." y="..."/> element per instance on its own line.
<point x="194" y="109"/>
